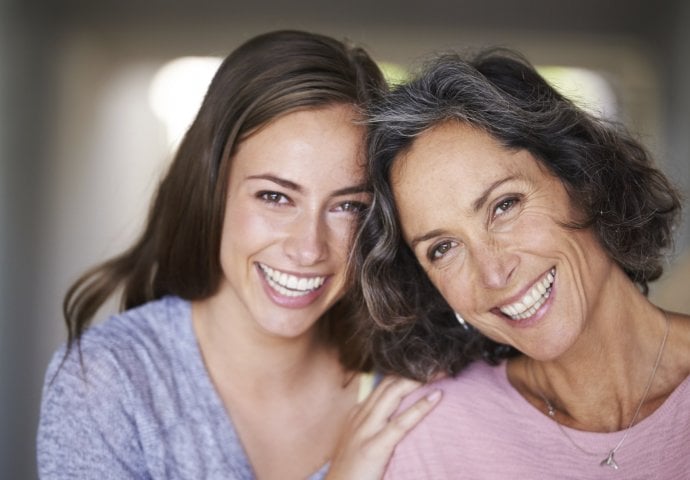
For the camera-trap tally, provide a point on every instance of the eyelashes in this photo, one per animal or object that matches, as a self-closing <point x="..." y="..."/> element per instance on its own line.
<point x="352" y="206"/>
<point x="275" y="198"/>
<point x="503" y="206"/>
<point x="280" y="199"/>
<point x="439" y="250"/>
<point x="501" y="210"/>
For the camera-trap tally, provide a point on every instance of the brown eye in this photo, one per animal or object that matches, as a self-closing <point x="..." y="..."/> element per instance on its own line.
<point x="505" y="205"/>
<point x="439" y="250"/>
<point x="352" y="207"/>
<point x="273" y="197"/>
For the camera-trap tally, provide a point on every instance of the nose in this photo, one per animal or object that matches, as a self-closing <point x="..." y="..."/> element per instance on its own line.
<point x="307" y="241"/>
<point x="495" y="264"/>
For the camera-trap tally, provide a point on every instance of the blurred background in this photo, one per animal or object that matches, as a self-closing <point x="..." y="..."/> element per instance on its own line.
<point x="93" y="96"/>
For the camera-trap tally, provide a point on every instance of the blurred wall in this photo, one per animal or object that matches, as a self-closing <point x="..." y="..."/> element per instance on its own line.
<point x="25" y="109"/>
<point x="80" y="152"/>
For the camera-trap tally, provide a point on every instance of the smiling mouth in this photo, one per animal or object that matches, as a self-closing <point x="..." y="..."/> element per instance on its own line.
<point x="532" y="300"/>
<point x="290" y="285"/>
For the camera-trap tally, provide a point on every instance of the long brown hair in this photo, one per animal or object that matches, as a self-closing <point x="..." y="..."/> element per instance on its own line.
<point x="178" y="252"/>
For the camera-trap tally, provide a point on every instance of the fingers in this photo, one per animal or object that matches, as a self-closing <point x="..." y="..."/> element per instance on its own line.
<point x="375" y="429"/>
<point x="386" y="399"/>
<point x="386" y="384"/>
<point x="403" y="422"/>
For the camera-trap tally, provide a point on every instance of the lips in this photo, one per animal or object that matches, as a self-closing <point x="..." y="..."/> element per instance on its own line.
<point x="289" y="285"/>
<point x="532" y="300"/>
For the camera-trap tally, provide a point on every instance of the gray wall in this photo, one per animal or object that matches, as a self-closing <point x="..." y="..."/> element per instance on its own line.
<point x="72" y="192"/>
<point x="25" y="104"/>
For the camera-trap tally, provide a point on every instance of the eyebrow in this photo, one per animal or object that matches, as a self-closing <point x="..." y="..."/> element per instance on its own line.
<point x="280" y="181"/>
<point x="423" y="238"/>
<point x="476" y="206"/>
<point x="361" y="188"/>
<point x="481" y="200"/>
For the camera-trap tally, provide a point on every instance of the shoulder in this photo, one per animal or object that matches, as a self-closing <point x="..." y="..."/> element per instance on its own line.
<point x="164" y="317"/>
<point x="114" y="353"/>
<point x="467" y="414"/>
<point x="148" y="327"/>
<point x="462" y="397"/>
<point x="97" y="398"/>
<point x="478" y="374"/>
<point x="472" y="382"/>
<point x="469" y="388"/>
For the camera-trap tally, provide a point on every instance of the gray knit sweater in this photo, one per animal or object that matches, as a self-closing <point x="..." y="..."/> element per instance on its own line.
<point x="142" y="406"/>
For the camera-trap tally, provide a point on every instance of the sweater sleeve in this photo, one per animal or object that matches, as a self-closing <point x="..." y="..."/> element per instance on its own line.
<point x="87" y="429"/>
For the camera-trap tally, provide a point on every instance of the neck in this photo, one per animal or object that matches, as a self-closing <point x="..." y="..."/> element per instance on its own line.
<point x="240" y="356"/>
<point x="598" y="384"/>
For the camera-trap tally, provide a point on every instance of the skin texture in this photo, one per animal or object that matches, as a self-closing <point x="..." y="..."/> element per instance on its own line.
<point x="496" y="229"/>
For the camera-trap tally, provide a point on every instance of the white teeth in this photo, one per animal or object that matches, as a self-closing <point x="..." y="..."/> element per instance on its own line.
<point x="532" y="300"/>
<point x="292" y="282"/>
<point x="290" y="285"/>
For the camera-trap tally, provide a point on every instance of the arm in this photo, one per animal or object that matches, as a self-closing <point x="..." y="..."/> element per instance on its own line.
<point x="86" y="429"/>
<point x="375" y="428"/>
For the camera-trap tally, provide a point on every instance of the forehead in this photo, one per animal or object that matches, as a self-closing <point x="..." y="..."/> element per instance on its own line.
<point x="453" y="154"/>
<point x="447" y="170"/>
<point x="318" y="142"/>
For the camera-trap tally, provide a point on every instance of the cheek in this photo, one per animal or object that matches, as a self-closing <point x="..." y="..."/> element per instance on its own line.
<point x="243" y="226"/>
<point x="590" y="263"/>
<point x="340" y="237"/>
<point x="455" y="290"/>
<point x="537" y="231"/>
<point x="545" y="235"/>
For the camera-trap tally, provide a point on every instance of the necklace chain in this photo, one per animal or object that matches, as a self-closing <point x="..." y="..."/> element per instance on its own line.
<point x="609" y="461"/>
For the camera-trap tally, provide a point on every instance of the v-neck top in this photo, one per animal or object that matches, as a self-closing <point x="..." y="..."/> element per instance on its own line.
<point x="141" y="405"/>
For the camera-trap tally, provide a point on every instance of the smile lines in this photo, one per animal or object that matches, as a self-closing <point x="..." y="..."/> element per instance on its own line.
<point x="290" y="285"/>
<point x="532" y="300"/>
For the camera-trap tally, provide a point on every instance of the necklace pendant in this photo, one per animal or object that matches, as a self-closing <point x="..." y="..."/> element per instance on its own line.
<point x="610" y="461"/>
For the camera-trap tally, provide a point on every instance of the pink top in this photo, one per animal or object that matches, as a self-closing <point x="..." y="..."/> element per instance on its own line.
<point x="484" y="429"/>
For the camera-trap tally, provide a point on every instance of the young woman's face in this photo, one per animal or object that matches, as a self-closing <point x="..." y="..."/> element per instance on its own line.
<point x="296" y="188"/>
<point x="486" y="224"/>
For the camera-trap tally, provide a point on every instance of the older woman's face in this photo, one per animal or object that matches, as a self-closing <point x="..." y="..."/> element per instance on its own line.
<point x="486" y="223"/>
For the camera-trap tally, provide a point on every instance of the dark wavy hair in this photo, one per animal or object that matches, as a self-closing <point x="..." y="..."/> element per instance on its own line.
<point x="609" y="176"/>
<point x="178" y="252"/>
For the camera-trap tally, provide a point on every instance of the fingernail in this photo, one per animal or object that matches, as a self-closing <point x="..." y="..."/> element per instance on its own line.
<point x="433" y="396"/>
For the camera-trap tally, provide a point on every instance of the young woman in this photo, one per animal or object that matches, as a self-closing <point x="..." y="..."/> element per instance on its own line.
<point x="236" y="355"/>
<point x="511" y="240"/>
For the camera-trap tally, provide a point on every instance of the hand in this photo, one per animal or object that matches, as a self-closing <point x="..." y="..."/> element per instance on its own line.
<point x="374" y="429"/>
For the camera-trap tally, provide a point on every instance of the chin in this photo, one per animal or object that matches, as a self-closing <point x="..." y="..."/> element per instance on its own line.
<point x="288" y="327"/>
<point x="546" y="352"/>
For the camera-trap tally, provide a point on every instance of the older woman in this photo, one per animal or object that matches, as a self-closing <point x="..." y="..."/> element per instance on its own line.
<point x="511" y="240"/>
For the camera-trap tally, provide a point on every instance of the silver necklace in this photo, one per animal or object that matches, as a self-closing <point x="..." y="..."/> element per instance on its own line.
<point x="610" y="460"/>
